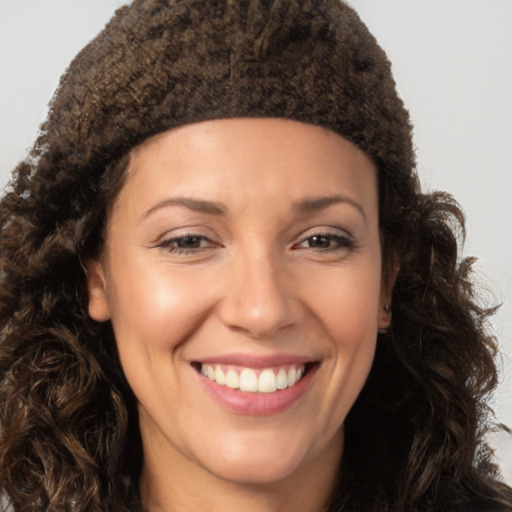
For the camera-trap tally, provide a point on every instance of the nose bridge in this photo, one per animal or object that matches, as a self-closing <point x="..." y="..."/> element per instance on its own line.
<point x="258" y="298"/>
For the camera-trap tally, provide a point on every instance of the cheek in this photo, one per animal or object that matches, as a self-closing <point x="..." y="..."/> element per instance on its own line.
<point x="156" y="308"/>
<point x="154" y="312"/>
<point x="347" y="303"/>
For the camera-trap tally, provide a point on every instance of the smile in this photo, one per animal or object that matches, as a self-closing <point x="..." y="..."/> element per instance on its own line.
<point x="263" y="380"/>
<point x="256" y="385"/>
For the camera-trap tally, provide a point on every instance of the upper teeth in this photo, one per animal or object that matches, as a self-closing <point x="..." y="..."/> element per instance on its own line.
<point x="248" y="379"/>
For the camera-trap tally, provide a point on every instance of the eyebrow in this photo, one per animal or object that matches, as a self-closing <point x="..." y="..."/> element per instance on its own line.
<point x="316" y="204"/>
<point x="198" y="205"/>
<point x="305" y="206"/>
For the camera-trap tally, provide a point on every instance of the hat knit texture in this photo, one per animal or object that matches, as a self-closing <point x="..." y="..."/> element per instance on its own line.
<point x="159" y="64"/>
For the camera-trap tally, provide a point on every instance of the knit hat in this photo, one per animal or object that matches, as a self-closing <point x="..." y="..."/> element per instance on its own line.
<point x="159" y="64"/>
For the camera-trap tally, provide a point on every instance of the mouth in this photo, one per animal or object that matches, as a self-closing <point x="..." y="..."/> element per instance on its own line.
<point x="255" y="380"/>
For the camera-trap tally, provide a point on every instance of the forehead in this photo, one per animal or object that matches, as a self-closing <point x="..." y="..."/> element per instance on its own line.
<point x="237" y="160"/>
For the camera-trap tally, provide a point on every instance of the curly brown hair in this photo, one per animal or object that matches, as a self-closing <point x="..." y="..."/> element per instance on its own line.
<point x="69" y="428"/>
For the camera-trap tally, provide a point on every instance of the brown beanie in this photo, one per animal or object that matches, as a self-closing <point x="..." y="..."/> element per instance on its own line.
<point x="159" y="64"/>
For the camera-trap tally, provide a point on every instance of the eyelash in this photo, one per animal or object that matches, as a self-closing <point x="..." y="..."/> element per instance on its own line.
<point x="341" y="243"/>
<point x="336" y="243"/>
<point x="168" y="244"/>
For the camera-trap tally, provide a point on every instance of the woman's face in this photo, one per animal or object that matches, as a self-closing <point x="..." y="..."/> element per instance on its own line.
<point x="242" y="276"/>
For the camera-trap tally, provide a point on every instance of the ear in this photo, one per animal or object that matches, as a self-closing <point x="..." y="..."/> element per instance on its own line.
<point x="96" y="284"/>
<point x="384" y="315"/>
<point x="390" y="271"/>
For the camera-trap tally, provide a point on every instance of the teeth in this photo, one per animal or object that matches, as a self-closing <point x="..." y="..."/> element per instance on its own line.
<point x="292" y="376"/>
<point x="232" y="379"/>
<point x="219" y="376"/>
<point x="282" y="379"/>
<point x="249" y="380"/>
<point x="267" y="382"/>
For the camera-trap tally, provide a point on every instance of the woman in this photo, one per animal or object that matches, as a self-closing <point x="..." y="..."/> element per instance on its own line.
<point x="223" y="286"/>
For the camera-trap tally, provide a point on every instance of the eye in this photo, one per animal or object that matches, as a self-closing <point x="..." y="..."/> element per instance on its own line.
<point x="320" y="242"/>
<point x="187" y="244"/>
<point x="325" y="242"/>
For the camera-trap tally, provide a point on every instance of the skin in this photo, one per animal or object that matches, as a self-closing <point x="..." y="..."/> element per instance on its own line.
<point x="253" y="279"/>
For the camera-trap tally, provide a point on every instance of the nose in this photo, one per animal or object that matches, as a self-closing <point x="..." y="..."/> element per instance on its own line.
<point x="259" y="299"/>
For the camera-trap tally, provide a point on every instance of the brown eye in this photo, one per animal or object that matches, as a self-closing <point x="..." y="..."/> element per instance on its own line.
<point x="326" y="242"/>
<point x="189" y="242"/>
<point x="319" y="242"/>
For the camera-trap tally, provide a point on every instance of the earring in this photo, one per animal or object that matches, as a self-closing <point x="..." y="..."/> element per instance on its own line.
<point x="387" y="310"/>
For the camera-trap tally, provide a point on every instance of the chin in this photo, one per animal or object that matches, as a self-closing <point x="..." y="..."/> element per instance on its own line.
<point x="263" y="459"/>
<point x="255" y="469"/>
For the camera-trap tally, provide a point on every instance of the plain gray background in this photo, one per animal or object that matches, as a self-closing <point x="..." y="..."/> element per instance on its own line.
<point x="451" y="60"/>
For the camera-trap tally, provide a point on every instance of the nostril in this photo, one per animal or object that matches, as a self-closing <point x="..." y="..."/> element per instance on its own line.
<point x="259" y="300"/>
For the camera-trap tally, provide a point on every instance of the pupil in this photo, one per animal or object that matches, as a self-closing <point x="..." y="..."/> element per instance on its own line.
<point x="319" y="241"/>
<point x="189" y="242"/>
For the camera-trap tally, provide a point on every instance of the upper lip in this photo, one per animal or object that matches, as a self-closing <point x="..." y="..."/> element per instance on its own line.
<point x="256" y="361"/>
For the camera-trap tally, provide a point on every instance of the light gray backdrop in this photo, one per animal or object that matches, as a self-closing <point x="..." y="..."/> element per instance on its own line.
<point x="451" y="59"/>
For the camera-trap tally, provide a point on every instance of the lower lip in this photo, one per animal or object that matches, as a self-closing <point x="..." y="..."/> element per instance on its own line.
<point x="258" y="404"/>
